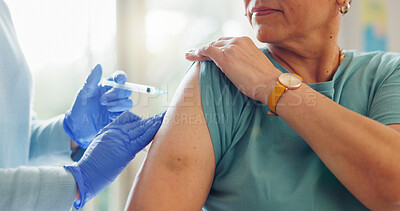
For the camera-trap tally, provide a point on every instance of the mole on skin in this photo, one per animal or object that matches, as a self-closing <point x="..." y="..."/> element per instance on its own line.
<point x="176" y="163"/>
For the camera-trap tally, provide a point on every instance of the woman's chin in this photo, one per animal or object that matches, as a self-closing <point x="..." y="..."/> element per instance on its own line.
<point x="269" y="37"/>
<point x="266" y="34"/>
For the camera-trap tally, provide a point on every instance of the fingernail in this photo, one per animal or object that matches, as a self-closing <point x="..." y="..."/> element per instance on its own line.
<point x="189" y="52"/>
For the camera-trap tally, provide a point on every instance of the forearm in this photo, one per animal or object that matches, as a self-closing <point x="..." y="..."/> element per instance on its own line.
<point x="362" y="153"/>
<point x="49" y="138"/>
<point x="36" y="188"/>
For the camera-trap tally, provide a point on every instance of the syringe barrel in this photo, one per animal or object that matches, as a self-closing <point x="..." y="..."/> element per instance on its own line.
<point x="141" y="88"/>
<point x="131" y="86"/>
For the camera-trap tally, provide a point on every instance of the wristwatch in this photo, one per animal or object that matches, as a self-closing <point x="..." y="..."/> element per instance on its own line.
<point x="286" y="81"/>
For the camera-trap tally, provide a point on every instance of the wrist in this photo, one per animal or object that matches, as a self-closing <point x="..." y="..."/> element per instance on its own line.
<point x="73" y="144"/>
<point x="295" y="99"/>
<point x="77" y="195"/>
<point x="270" y="86"/>
<point x="286" y="82"/>
<point x="81" y="195"/>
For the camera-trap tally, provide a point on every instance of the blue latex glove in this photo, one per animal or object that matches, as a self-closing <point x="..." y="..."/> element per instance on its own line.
<point x="112" y="149"/>
<point x="95" y="107"/>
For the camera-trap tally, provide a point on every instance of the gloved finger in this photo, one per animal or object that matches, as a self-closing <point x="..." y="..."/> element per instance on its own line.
<point x="114" y="115"/>
<point x="162" y="115"/>
<point x="144" y="139"/>
<point x="135" y="128"/>
<point x="135" y="131"/>
<point x="126" y="118"/>
<point x="94" y="78"/>
<point x="158" y="117"/>
<point x="119" y="105"/>
<point x="114" y="95"/>
<point x="119" y="77"/>
<point x="146" y="123"/>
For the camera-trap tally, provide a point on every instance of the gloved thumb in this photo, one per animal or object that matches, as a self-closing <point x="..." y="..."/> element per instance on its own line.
<point x="95" y="76"/>
<point x="91" y="86"/>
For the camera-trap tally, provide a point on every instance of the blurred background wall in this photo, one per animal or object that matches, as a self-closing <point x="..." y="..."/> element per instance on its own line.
<point x="63" y="39"/>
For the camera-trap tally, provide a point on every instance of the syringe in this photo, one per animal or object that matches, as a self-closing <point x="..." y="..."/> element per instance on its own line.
<point x="133" y="87"/>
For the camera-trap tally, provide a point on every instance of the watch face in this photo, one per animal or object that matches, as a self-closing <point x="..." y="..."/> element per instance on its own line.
<point x="290" y="80"/>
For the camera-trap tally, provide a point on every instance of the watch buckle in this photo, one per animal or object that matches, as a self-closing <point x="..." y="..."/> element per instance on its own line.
<point x="272" y="113"/>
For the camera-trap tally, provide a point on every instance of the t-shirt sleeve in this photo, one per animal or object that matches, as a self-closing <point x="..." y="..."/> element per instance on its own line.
<point x="225" y="108"/>
<point x="385" y="107"/>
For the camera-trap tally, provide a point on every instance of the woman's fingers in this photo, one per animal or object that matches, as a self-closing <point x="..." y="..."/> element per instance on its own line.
<point x="206" y="53"/>
<point x="193" y="55"/>
<point x="225" y="38"/>
<point x="241" y="61"/>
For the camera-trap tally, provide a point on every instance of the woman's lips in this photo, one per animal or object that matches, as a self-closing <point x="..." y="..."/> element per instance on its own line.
<point x="264" y="12"/>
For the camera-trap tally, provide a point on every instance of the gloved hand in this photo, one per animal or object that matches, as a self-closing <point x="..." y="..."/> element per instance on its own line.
<point x="95" y="107"/>
<point x="112" y="149"/>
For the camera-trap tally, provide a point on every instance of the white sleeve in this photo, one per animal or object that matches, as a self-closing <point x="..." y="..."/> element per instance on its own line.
<point x="36" y="188"/>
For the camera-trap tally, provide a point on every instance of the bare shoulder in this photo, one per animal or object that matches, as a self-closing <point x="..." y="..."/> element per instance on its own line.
<point x="179" y="168"/>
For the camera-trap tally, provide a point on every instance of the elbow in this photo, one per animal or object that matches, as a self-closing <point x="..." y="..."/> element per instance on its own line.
<point x="388" y="206"/>
<point x="387" y="189"/>
<point x="388" y="201"/>
<point x="393" y="196"/>
<point x="394" y="204"/>
<point x="384" y="195"/>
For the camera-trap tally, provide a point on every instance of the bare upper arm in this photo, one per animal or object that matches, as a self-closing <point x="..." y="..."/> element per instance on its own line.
<point x="179" y="168"/>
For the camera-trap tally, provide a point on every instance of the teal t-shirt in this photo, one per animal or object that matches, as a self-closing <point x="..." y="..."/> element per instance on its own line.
<point x="263" y="164"/>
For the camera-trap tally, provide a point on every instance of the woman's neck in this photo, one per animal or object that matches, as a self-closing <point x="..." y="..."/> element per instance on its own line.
<point x="312" y="62"/>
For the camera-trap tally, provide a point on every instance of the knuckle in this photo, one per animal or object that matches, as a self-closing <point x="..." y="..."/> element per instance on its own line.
<point x="236" y="40"/>
<point x="234" y="47"/>
<point x="244" y="39"/>
<point x="201" y="50"/>
<point x="232" y="50"/>
<point x="206" y="48"/>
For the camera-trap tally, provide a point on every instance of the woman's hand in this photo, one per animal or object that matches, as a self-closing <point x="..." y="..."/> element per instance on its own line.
<point x="243" y="63"/>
